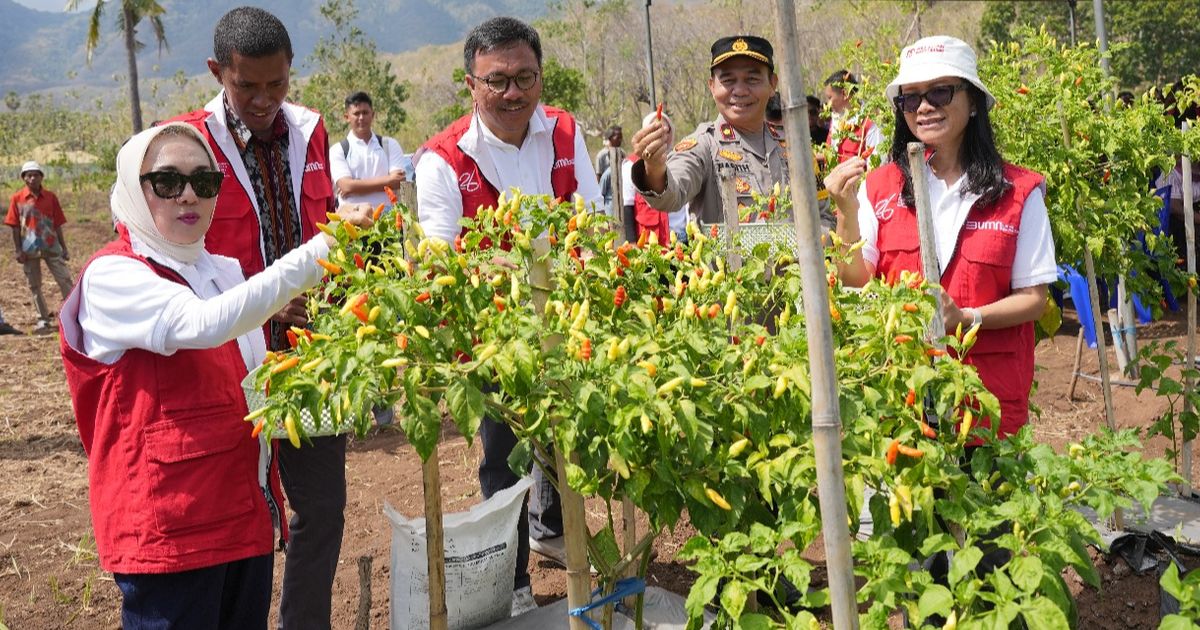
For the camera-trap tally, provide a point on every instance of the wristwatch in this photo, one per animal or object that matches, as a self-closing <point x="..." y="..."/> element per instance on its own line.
<point x="976" y="317"/>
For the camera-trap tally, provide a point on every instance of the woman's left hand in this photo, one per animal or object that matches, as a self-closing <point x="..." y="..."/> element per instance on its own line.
<point x="952" y="315"/>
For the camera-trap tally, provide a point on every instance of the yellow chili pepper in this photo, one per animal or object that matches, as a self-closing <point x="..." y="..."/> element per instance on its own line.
<point x="715" y="496"/>
<point x="289" y="423"/>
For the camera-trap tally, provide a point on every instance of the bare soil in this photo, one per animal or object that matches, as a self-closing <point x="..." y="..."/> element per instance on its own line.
<point x="50" y="578"/>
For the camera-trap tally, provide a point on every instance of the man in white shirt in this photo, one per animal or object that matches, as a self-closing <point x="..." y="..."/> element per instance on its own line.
<point x="509" y="140"/>
<point x="364" y="163"/>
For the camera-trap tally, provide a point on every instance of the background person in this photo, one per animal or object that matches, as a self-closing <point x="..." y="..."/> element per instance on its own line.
<point x="850" y="132"/>
<point x="614" y="137"/>
<point x="36" y="219"/>
<point x="364" y="163"/>
<point x="183" y="503"/>
<point x="509" y="140"/>
<point x="992" y="234"/>
<point x="276" y="190"/>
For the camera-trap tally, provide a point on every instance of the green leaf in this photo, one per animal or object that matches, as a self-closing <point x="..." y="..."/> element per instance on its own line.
<point x="608" y="554"/>
<point x="755" y="621"/>
<point x="964" y="563"/>
<point x="702" y="593"/>
<point x="1026" y="572"/>
<point x="733" y="598"/>
<point x="465" y="402"/>
<point x="1041" y="612"/>
<point x="520" y="457"/>
<point x="1177" y="622"/>
<point x="936" y="600"/>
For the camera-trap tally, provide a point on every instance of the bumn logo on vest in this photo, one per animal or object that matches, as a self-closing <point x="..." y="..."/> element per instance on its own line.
<point x="468" y="183"/>
<point x="314" y="166"/>
<point x="884" y="207"/>
<point x="563" y="163"/>
<point x="993" y="226"/>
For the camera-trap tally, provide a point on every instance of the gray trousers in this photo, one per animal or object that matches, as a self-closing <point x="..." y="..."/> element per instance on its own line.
<point x="33" y="274"/>
<point x="314" y="479"/>
<point x="542" y="517"/>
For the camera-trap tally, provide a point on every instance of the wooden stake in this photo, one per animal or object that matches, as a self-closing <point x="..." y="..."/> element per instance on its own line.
<point x="1075" y="368"/>
<point x="729" y="210"/>
<point x="810" y="257"/>
<point x="931" y="268"/>
<point x="575" y="532"/>
<point x="435" y="545"/>
<point x="1189" y="216"/>
<point x="618" y="205"/>
<point x="362" y="620"/>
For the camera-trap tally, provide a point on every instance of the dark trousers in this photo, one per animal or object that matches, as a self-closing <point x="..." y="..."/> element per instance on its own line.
<point x="232" y="595"/>
<point x="541" y="518"/>
<point x="314" y="479"/>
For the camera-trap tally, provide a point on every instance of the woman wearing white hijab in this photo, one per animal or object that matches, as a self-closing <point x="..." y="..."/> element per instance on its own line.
<point x="156" y="338"/>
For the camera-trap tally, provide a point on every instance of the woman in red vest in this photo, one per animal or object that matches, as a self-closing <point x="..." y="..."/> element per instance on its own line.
<point x="156" y="338"/>
<point x="992" y="233"/>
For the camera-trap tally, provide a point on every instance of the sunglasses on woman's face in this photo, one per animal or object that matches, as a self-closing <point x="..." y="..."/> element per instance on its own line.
<point x="939" y="96"/>
<point x="170" y="184"/>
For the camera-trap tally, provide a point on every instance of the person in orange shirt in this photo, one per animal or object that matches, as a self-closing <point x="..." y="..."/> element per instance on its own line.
<point x="36" y="219"/>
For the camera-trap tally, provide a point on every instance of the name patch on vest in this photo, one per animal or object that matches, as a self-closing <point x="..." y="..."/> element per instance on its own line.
<point x="468" y="183"/>
<point x="563" y="163"/>
<point x="992" y="226"/>
<point x="314" y="166"/>
<point x="885" y="208"/>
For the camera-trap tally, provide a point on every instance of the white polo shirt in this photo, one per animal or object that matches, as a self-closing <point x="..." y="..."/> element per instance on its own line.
<point x="365" y="160"/>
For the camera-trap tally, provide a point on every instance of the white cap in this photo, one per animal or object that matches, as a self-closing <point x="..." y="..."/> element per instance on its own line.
<point x="934" y="57"/>
<point x="31" y="166"/>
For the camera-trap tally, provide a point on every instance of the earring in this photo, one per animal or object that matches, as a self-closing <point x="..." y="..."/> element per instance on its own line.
<point x="973" y="112"/>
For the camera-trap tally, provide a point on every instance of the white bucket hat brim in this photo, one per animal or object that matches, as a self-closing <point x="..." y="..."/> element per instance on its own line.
<point x="936" y="57"/>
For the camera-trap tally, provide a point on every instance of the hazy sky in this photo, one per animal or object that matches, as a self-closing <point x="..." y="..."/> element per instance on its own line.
<point x="52" y="5"/>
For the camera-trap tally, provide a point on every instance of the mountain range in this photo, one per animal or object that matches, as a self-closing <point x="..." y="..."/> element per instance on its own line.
<point x="43" y="50"/>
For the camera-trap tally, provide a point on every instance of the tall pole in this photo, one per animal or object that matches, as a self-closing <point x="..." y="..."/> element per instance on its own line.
<point x="1101" y="36"/>
<point x="1189" y="217"/>
<point x="1071" y="19"/>
<point x="650" y="57"/>
<point x="826" y="419"/>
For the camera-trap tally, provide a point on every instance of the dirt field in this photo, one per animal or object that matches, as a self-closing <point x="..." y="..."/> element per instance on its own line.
<point x="49" y="576"/>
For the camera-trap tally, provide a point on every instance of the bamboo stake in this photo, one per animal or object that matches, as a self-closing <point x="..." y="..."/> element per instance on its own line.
<point x="729" y="210"/>
<point x="618" y="205"/>
<point x="826" y="420"/>
<point x="575" y="532"/>
<point x="435" y="552"/>
<point x="435" y="542"/>
<point x="362" y="619"/>
<point x="930" y="266"/>
<point x="1075" y="366"/>
<point x="1110" y="416"/>
<point x="1189" y="217"/>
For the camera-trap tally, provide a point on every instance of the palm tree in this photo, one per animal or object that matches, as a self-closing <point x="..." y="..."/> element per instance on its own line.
<point x="132" y="12"/>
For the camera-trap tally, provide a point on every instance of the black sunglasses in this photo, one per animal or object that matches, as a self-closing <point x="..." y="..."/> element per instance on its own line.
<point x="170" y="184"/>
<point x="939" y="96"/>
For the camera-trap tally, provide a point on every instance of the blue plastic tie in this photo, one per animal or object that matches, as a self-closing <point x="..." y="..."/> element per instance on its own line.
<point x="624" y="588"/>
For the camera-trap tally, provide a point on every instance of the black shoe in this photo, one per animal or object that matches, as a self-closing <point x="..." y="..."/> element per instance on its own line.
<point x="7" y="329"/>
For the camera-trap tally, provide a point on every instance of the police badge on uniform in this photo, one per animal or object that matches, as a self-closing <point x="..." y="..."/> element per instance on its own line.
<point x="732" y="156"/>
<point x="685" y="145"/>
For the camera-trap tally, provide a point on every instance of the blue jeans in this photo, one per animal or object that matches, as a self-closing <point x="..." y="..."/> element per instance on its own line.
<point x="232" y="595"/>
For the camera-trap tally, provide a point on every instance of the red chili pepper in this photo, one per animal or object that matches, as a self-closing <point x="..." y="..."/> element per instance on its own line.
<point x="358" y="260"/>
<point x="714" y="310"/>
<point x="737" y="340"/>
<point x="910" y="308"/>
<point x="891" y="277"/>
<point x="1107" y="176"/>
<point x="399" y="221"/>
<point x="258" y="427"/>
<point x="909" y="451"/>
<point x="893" y="450"/>
<point x="760" y="340"/>
<point x="360" y="313"/>
<point x="498" y="302"/>
<point x="763" y="216"/>
<point x="927" y="430"/>
<point x="390" y="195"/>
<point x="1078" y="81"/>
<point x="902" y="339"/>
<point x="771" y="204"/>
<point x="423" y="297"/>
<point x="622" y="258"/>
<point x="308" y="334"/>
<point x="643" y="238"/>
<point x="378" y="212"/>
<point x="833" y="278"/>
<point x="1023" y="90"/>
<point x="911" y="398"/>
<point x="402" y="341"/>
<point x="292" y="339"/>
<point x="713" y="231"/>
<point x="867" y="152"/>
<point x="935" y="352"/>
<point x="572" y="224"/>
<point x="458" y="243"/>
<point x="858" y="44"/>
<point x="679" y="252"/>
<point x="658" y="114"/>
<point x="585" y="349"/>
<point x="619" y="297"/>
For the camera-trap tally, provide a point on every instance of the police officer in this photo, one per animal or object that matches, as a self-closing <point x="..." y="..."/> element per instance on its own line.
<point x="742" y="80"/>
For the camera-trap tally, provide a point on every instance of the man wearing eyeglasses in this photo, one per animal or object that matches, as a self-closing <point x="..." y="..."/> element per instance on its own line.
<point x="742" y="79"/>
<point x="275" y="190"/>
<point x="509" y="140"/>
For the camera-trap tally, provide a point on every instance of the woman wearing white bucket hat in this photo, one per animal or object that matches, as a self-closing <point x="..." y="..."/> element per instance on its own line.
<point x="992" y="233"/>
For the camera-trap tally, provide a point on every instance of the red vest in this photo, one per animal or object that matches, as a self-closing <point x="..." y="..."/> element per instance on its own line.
<point x="172" y="469"/>
<point x="852" y="145"/>
<point x="650" y="219"/>
<point x="979" y="273"/>
<point x="235" y="231"/>
<point x="478" y="192"/>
